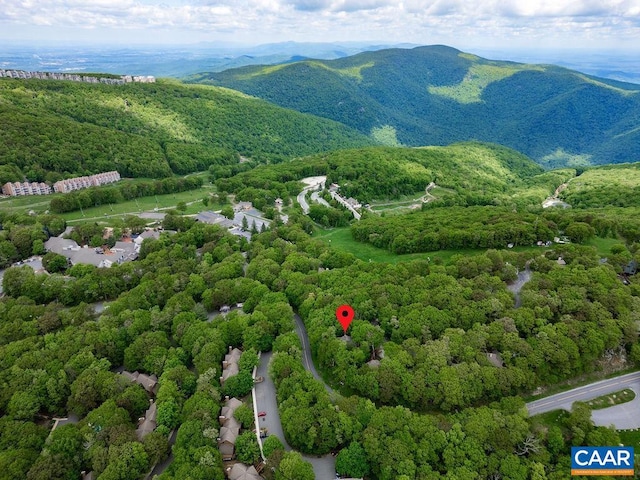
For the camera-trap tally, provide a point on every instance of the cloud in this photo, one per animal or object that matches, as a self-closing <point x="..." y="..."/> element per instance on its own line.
<point x="260" y="21"/>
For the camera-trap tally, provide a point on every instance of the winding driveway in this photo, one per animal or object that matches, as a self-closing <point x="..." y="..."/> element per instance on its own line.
<point x="624" y="416"/>
<point x="324" y="467"/>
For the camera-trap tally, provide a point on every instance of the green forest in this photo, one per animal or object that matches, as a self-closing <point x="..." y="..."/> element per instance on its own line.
<point x="432" y="407"/>
<point x="437" y="95"/>
<point x="57" y="129"/>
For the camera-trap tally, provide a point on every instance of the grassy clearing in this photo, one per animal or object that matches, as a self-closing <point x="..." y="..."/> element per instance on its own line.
<point x="630" y="438"/>
<point x="603" y="245"/>
<point x="550" y="419"/>
<point x="615" y="398"/>
<point x="341" y="239"/>
<point x="146" y="204"/>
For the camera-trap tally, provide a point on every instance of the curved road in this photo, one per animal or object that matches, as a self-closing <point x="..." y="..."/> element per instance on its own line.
<point x="324" y="467"/>
<point x="624" y="416"/>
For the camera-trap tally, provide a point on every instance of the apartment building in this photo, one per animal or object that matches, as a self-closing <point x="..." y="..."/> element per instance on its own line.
<point x="78" y="183"/>
<point x="25" y="188"/>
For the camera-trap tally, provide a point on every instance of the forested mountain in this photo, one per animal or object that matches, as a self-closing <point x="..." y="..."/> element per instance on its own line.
<point x="55" y="128"/>
<point x="437" y="95"/>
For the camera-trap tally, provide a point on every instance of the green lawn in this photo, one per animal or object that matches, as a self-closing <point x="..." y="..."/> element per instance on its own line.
<point x="145" y="204"/>
<point x="340" y="238"/>
<point x="615" y="398"/>
<point x="550" y="419"/>
<point x="603" y="245"/>
<point x="630" y="438"/>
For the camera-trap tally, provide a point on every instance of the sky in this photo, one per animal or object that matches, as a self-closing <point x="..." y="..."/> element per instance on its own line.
<point x="593" y="24"/>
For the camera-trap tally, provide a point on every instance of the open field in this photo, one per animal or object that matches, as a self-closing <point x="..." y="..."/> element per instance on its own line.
<point x="603" y="245"/>
<point x="341" y="238"/>
<point x="145" y="204"/>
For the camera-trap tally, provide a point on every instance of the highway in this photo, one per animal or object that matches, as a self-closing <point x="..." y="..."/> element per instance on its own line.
<point x="624" y="416"/>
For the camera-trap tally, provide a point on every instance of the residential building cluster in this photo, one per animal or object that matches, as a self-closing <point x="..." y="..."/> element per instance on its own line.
<point x="15" y="189"/>
<point x="78" y="183"/>
<point x="74" y="77"/>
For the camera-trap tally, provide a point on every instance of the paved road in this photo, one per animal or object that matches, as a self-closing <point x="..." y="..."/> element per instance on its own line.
<point x="315" y="196"/>
<point x="312" y="183"/>
<point x="307" y="360"/>
<point x="624" y="416"/>
<point x="323" y="467"/>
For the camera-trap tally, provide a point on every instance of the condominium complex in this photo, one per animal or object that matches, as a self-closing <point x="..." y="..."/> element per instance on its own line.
<point x="78" y="183"/>
<point x="63" y="186"/>
<point x="25" y="188"/>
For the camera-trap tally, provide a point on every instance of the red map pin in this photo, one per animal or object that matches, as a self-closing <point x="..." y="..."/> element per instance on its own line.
<point x="344" y="314"/>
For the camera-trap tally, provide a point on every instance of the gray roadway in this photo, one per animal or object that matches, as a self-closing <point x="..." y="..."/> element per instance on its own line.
<point x="624" y="416"/>
<point x="323" y="467"/>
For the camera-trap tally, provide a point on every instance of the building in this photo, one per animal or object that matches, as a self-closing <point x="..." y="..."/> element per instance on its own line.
<point x="148" y="423"/>
<point x="15" y="189"/>
<point x="240" y="471"/>
<point x="229" y="429"/>
<point x="78" y="183"/>
<point x="230" y="364"/>
<point x="148" y="382"/>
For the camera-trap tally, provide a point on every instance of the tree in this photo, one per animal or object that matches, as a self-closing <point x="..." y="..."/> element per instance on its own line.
<point x="352" y="461"/>
<point x="293" y="467"/>
<point x="54" y="263"/>
<point x="247" y="448"/>
<point x="271" y="444"/>
<point x="228" y="212"/>
<point x="181" y="207"/>
<point x="244" y="415"/>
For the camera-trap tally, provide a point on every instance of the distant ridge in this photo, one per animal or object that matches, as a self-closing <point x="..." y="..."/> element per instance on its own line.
<point x="439" y="95"/>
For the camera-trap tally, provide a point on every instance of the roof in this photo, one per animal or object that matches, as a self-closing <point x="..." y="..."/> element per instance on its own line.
<point x="231" y="370"/>
<point x="214" y="219"/>
<point x="234" y="354"/>
<point x="149" y="423"/>
<point x="229" y="434"/>
<point x="148" y="382"/>
<point x="233" y="404"/>
<point x="240" y="471"/>
<point x="60" y="245"/>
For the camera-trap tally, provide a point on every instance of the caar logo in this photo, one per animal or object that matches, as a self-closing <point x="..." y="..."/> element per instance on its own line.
<point x="611" y="461"/>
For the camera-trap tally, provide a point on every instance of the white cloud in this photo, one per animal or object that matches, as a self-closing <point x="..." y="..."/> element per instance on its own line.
<point x="417" y="21"/>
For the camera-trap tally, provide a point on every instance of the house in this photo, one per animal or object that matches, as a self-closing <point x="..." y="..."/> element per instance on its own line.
<point x="147" y="424"/>
<point x="230" y="364"/>
<point x="631" y="268"/>
<point x="230" y="429"/>
<point x="495" y="359"/>
<point x="240" y="471"/>
<point x="148" y="382"/>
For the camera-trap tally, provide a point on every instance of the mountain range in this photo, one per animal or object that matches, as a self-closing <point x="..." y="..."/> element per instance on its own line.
<point x="437" y="95"/>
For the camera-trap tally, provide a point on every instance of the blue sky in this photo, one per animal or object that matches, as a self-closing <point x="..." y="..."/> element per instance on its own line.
<point x="594" y="24"/>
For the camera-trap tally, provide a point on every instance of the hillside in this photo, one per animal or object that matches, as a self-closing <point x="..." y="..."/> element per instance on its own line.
<point x="54" y="128"/>
<point x="438" y="95"/>
<point x="609" y="185"/>
<point x="469" y="173"/>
